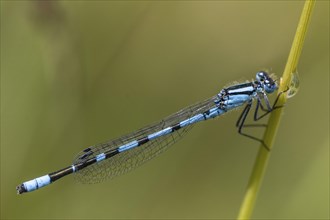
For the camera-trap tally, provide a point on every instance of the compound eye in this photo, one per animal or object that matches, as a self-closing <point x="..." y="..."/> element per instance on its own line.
<point x="261" y="76"/>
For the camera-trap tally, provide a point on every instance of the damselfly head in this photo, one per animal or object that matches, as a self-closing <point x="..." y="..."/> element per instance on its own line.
<point x="266" y="81"/>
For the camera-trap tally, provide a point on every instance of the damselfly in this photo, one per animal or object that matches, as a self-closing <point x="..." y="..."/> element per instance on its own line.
<point x="106" y="160"/>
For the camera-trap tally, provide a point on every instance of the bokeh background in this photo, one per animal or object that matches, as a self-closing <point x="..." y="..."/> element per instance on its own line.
<point x="76" y="73"/>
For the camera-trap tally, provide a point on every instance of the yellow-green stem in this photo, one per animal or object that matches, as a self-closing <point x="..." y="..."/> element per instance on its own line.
<point x="274" y="119"/>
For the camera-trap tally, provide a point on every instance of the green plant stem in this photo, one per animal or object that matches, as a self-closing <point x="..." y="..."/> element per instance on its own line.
<point x="274" y="119"/>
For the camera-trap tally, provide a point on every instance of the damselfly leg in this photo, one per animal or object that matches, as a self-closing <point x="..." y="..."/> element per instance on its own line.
<point x="240" y="124"/>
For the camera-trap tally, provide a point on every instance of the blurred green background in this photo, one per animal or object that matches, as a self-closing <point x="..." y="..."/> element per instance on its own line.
<point x="76" y="73"/>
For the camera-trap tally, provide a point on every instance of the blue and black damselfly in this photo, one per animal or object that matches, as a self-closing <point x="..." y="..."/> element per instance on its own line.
<point x="106" y="160"/>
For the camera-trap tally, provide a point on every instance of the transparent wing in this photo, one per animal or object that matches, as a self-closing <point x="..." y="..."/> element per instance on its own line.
<point x="127" y="160"/>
